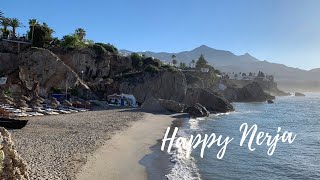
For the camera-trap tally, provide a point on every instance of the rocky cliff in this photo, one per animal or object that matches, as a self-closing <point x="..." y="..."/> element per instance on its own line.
<point x="252" y="92"/>
<point x="213" y="102"/>
<point x="43" y="66"/>
<point x="269" y="87"/>
<point x="169" y="85"/>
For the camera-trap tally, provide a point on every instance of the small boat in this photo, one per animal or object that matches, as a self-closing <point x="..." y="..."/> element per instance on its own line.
<point x="12" y="123"/>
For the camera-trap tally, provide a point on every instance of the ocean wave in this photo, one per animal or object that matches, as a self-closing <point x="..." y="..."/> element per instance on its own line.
<point x="182" y="167"/>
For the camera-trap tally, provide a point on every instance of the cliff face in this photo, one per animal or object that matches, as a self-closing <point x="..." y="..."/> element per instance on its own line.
<point x="9" y="63"/>
<point x="41" y="65"/>
<point x="162" y="85"/>
<point x="252" y="92"/>
<point x="92" y="66"/>
<point x="269" y="87"/>
<point x="213" y="102"/>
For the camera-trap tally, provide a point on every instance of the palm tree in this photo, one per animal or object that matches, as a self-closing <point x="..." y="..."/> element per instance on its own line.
<point x="5" y="23"/>
<point x="81" y="33"/>
<point x="33" y="23"/>
<point x="14" y="23"/>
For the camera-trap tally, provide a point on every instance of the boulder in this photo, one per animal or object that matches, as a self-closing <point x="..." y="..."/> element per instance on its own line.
<point x="172" y="106"/>
<point x="197" y="111"/>
<point x="299" y="94"/>
<point x="213" y="102"/>
<point x="249" y="93"/>
<point x="43" y="66"/>
<point x="151" y="105"/>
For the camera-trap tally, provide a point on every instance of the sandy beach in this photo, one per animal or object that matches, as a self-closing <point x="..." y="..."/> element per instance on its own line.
<point x="119" y="157"/>
<point x="104" y="144"/>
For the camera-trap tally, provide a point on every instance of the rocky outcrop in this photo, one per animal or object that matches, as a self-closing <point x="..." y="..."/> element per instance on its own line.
<point x="250" y="93"/>
<point x="269" y="87"/>
<point x="169" y="85"/>
<point x="299" y="94"/>
<point x="9" y="63"/>
<point x="172" y="106"/>
<point x="91" y="66"/>
<point x="43" y="66"/>
<point x="197" y="110"/>
<point x="194" y="81"/>
<point x="12" y="165"/>
<point x="151" y="105"/>
<point x="213" y="102"/>
<point x="86" y="62"/>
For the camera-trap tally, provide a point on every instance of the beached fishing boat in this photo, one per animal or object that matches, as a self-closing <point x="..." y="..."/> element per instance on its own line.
<point x="12" y="123"/>
<point x="9" y="123"/>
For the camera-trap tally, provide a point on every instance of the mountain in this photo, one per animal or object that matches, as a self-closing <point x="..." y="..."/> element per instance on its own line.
<point x="288" y="78"/>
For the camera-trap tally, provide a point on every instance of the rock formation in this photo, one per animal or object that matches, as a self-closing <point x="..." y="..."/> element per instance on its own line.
<point x="151" y="105"/>
<point x="41" y="65"/>
<point x="12" y="165"/>
<point x="250" y="93"/>
<point x="299" y="94"/>
<point x="197" y="110"/>
<point x="212" y="101"/>
<point x="172" y="106"/>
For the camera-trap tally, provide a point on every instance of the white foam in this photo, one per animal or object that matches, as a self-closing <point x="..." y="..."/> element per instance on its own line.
<point x="182" y="168"/>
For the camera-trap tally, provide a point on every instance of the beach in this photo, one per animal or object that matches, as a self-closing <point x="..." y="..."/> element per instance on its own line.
<point x="106" y="144"/>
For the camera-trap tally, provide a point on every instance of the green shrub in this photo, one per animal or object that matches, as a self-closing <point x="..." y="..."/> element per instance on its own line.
<point x="152" y="69"/>
<point x="109" y="47"/>
<point x="100" y="50"/>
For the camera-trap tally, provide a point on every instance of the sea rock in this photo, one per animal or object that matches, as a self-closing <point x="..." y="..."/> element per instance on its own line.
<point x="151" y="105"/>
<point x="250" y="93"/>
<point x="43" y="66"/>
<point x="270" y="101"/>
<point x="197" y="111"/>
<point x="299" y="94"/>
<point x="213" y="102"/>
<point x="172" y="105"/>
<point x="12" y="165"/>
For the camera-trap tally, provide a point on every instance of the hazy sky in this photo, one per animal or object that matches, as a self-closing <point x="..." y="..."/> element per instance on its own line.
<point x="282" y="31"/>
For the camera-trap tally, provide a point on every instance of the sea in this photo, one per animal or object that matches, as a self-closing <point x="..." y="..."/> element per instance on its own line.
<point x="298" y="160"/>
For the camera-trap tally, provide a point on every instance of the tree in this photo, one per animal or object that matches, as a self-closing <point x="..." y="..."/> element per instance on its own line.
<point x="174" y="62"/>
<point x="5" y="22"/>
<point x="201" y="63"/>
<point x="136" y="60"/>
<point x="14" y="23"/>
<point x="32" y="24"/>
<point x="250" y="74"/>
<point x="193" y="62"/>
<point x="81" y="33"/>
<point x="1" y="14"/>
<point x="41" y="35"/>
<point x="109" y="47"/>
<point x="183" y="65"/>
<point x="72" y="41"/>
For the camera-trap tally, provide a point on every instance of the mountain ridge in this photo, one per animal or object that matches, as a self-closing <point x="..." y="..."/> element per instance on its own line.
<point x="289" y="78"/>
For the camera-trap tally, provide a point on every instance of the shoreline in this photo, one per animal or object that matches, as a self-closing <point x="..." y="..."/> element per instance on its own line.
<point x="56" y="147"/>
<point x="125" y="155"/>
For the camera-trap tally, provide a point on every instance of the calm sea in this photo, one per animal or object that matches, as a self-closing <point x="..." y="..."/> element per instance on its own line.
<point x="299" y="160"/>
